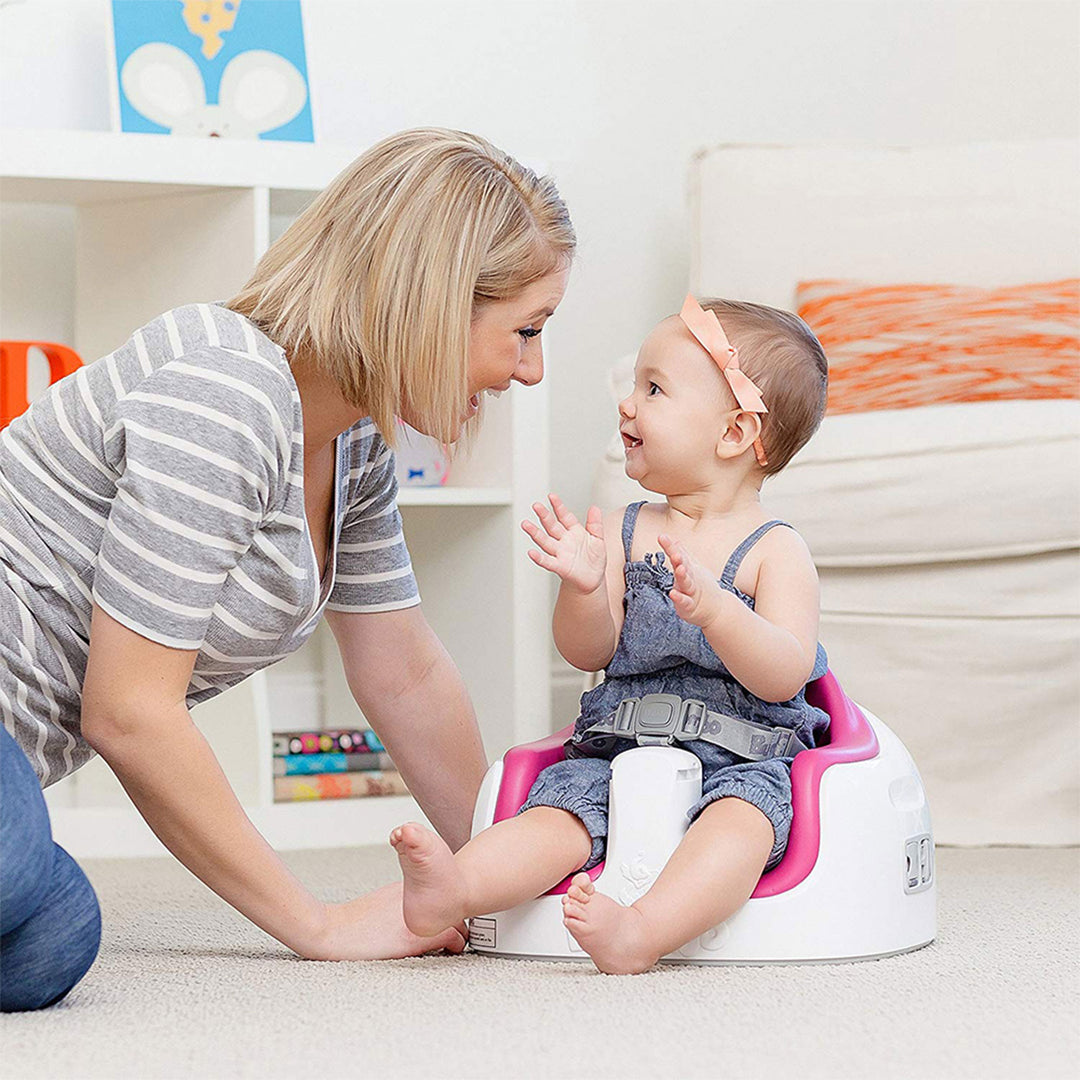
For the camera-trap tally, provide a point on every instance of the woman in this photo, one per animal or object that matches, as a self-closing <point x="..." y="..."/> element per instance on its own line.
<point x="180" y="513"/>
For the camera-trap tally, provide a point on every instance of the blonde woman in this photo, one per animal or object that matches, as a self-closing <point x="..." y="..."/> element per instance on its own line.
<point x="180" y="514"/>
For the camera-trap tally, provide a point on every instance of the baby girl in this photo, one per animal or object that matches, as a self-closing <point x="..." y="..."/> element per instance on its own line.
<point x="702" y="596"/>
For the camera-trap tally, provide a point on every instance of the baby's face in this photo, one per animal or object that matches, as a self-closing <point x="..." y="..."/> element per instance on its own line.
<point x="671" y="420"/>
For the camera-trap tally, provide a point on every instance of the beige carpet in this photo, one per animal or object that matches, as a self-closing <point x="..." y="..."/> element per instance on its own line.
<point x="185" y="988"/>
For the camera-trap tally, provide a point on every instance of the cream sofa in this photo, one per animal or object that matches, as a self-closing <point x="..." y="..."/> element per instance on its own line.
<point x="947" y="537"/>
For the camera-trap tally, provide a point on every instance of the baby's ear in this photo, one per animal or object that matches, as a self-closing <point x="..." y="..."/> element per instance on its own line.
<point x="740" y="430"/>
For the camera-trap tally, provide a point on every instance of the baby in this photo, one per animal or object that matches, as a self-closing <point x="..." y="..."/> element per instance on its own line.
<point x="702" y="596"/>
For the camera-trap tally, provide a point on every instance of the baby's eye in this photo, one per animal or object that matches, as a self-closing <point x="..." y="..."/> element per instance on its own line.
<point x="652" y="387"/>
<point x="529" y="332"/>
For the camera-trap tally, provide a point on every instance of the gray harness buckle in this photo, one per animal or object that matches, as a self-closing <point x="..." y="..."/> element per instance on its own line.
<point x="655" y="719"/>
<point x="661" y="719"/>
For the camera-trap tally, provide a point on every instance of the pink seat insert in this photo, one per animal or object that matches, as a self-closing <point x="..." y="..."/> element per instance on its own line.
<point x="851" y="738"/>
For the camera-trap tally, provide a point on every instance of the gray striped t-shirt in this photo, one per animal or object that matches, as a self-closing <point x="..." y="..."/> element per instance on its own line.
<point x="164" y="482"/>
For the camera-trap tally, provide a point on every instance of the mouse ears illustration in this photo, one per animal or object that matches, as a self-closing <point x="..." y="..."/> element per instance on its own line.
<point x="259" y="91"/>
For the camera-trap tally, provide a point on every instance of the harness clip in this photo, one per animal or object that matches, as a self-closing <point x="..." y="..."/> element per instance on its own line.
<point x="691" y="720"/>
<point x="624" y="718"/>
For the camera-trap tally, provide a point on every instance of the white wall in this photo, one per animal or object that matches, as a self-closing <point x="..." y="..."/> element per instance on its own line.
<point x="614" y="97"/>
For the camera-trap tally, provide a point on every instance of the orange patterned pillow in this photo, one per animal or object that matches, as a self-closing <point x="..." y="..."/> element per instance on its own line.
<point x="897" y="346"/>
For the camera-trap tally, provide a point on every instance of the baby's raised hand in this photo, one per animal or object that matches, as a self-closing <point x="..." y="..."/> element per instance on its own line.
<point x="574" y="551"/>
<point x="696" y="594"/>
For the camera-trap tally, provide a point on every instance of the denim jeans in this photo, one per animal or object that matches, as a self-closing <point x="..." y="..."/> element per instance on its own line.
<point x="50" y="924"/>
<point x="581" y="786"/>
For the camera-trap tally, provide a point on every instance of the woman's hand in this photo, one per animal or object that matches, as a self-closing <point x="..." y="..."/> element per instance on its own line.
<point x="372" y="927"/>
<point x="697" y="595"/>
<point x="575" y="552"/>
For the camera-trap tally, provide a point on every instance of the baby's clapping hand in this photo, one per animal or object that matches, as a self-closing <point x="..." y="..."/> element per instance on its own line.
<point x="574" y="551"/>
<point x="697" y="594"/>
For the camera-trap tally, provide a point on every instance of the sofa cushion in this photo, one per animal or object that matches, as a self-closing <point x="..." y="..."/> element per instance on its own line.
<point x="899" y="346"/>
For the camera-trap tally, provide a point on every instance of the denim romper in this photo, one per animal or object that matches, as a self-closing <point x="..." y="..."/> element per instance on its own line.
<point x="659" y="653"/>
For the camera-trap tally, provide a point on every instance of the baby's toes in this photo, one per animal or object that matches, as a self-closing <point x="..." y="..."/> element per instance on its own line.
<point x="573" y="910"/>
<point x="583" y="882"/>
<point x="577" y="893"/>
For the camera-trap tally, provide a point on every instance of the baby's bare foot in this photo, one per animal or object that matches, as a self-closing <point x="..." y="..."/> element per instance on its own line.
<point x="371" y="927"/>
<point x="616" y="937"/>
<point x="434" y="896"/>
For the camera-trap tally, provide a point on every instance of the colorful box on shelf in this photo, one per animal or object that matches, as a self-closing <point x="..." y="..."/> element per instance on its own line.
<point x="308" y="764"/>
<point x="350" y="785"/>
<point x="349" y="741"/>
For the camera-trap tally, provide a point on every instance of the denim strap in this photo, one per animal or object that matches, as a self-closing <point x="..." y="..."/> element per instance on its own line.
<point x="629" y="521"/>
<point x="727" y="578"/>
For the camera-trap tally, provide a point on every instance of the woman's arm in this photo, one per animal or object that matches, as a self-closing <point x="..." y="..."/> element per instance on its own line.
<point x="413" y="695"/>
<point x="134" y="715"/>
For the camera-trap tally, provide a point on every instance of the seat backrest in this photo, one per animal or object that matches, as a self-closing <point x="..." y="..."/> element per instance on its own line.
<point x="851" y="738"/>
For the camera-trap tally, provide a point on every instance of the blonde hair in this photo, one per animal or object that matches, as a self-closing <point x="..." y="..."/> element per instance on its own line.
<point x="780" y="353"/>
<point x="376" y="283"/>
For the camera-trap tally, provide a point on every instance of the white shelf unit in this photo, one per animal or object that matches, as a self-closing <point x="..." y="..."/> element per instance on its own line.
<point x="100" y="232"/>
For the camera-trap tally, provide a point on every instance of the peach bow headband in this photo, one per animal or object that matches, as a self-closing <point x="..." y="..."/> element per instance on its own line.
<point x="706" y="328"/>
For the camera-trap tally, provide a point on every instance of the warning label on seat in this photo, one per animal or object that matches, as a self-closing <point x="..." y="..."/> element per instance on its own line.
<point x="482" y="933"/>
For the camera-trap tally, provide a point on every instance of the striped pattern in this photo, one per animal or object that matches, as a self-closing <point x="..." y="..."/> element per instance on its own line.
<point x="164" y="482"/>
<point x="899" y="346"/>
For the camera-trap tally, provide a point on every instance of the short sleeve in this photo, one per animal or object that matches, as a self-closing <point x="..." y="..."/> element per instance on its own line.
<point x="373" y="570"/>
<point x="199" y="447"/>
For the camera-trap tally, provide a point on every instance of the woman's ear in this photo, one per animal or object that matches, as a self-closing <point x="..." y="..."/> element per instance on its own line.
<point x="740" y="430"/>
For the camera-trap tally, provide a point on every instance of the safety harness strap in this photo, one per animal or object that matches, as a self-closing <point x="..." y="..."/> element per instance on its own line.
<point x="661" y="719"/>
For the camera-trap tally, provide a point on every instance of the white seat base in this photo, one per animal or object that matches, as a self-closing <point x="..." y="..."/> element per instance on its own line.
<point x="853" y="905"/>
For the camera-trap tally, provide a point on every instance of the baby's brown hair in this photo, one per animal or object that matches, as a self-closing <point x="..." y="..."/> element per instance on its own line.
<point x="780" y="353"/>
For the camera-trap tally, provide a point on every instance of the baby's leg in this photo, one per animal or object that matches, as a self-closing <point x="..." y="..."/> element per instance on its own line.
<point x="513" y="861"/>
<point x="709" y="877"/>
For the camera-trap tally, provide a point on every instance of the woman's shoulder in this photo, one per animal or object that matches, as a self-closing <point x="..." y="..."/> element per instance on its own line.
<point x="219" y="346"/>
<point x="364" y="442"/>
<point x="209" y="338"/>
<point x="370" y="461"/>
<point x="203" y="374"/>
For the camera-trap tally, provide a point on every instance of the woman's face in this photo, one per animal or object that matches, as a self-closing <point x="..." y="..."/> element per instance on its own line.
<point x="505" y="344"/>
